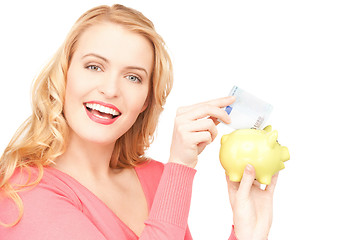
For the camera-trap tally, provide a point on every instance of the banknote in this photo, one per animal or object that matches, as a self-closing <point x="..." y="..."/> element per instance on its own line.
<point x="248" y="111"/>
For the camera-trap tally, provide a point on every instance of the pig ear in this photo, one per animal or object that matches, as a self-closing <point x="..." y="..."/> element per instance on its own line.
<point x="272" y="137"/>
<point x="268" y="128"/>
<point x="223" y="138"/>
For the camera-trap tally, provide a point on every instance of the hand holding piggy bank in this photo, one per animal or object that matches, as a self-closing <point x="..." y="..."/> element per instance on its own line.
<point x="259" y="148"/>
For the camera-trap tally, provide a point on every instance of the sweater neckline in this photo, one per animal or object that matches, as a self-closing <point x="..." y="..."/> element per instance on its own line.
<point x="76" y="182"/>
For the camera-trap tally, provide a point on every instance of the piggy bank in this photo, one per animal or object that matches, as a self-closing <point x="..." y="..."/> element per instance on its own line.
<point x="259" y="148"/>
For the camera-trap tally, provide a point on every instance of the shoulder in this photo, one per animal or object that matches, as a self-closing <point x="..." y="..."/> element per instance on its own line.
<point x="44" y="182"/>
<point x="149" y="174"/>
<point x="150" y="167"/>
<point x="43" y="188"/>
<point x="49" y="207"/>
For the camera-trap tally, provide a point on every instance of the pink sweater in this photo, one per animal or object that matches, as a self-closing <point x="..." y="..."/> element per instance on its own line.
<point x="59" y="207"/>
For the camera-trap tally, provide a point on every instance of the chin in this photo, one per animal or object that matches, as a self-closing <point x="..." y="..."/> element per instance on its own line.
<point x="93" y="137"/>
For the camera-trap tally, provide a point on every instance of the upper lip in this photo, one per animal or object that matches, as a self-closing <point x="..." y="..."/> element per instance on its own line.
<point x="108" y="105"/>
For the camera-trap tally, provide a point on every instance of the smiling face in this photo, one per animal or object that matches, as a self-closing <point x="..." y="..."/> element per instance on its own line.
<point x="108" y="82"/>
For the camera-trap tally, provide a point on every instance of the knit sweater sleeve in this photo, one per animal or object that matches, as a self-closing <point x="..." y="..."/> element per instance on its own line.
<point x="170" y="209"/>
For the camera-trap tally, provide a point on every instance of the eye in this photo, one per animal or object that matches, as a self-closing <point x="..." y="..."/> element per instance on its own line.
<point x="133" y="78"/>
<point x="94" y="68"/>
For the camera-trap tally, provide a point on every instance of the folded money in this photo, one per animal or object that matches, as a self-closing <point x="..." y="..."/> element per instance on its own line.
<point x="247" y="111"/>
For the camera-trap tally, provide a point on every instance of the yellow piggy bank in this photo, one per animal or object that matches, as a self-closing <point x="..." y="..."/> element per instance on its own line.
<point x="259" y="148"/>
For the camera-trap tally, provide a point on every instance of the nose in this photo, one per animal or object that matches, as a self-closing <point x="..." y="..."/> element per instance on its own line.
<point x="109" y="86"/>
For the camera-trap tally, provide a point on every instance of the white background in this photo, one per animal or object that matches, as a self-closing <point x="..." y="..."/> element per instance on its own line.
<point x="301" y="56"/>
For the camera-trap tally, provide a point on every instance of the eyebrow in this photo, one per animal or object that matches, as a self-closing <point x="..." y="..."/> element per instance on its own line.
<point x="137" y="68"/>
<point x="107" y="61"/>
<point x="95" y="55"/>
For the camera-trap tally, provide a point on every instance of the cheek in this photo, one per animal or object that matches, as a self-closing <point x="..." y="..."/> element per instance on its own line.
<point x="140" y="103"/>
<point x="134" y="108"/>
<point x="73" y="85"/>
<point x="70" y="94"/>
<point x="76" y="85"/>
<point x="68" y="107"/>
<point x="73" y="92"/>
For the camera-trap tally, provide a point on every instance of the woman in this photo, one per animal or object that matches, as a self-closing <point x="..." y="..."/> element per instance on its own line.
<point x="76" y="169"/>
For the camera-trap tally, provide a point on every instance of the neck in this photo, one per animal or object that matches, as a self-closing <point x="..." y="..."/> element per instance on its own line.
<point x="92" y="158"/>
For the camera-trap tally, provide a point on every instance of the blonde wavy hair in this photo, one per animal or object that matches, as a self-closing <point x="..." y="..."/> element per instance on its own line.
<point x="43" y="136"/>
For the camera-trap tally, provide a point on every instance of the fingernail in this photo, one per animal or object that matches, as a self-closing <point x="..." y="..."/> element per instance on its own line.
<point x="248" y="169"/>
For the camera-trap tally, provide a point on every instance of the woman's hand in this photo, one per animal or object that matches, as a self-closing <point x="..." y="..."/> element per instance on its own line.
<point x="195" y="128"/>
<point x="252" y="207"/>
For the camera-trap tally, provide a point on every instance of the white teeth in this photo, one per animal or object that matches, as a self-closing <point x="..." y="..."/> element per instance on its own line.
<point x="102" y="109"/>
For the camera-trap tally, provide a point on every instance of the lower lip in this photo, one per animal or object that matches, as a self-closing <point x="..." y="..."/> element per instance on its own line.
<point x="100" y="120"/>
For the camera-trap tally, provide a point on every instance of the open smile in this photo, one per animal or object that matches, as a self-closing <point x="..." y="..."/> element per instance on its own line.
<point x="102" y="113"/>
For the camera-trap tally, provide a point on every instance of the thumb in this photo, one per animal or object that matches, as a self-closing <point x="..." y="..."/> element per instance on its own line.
<point x="233" y="188"/>
<point x="246" y="181"/>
